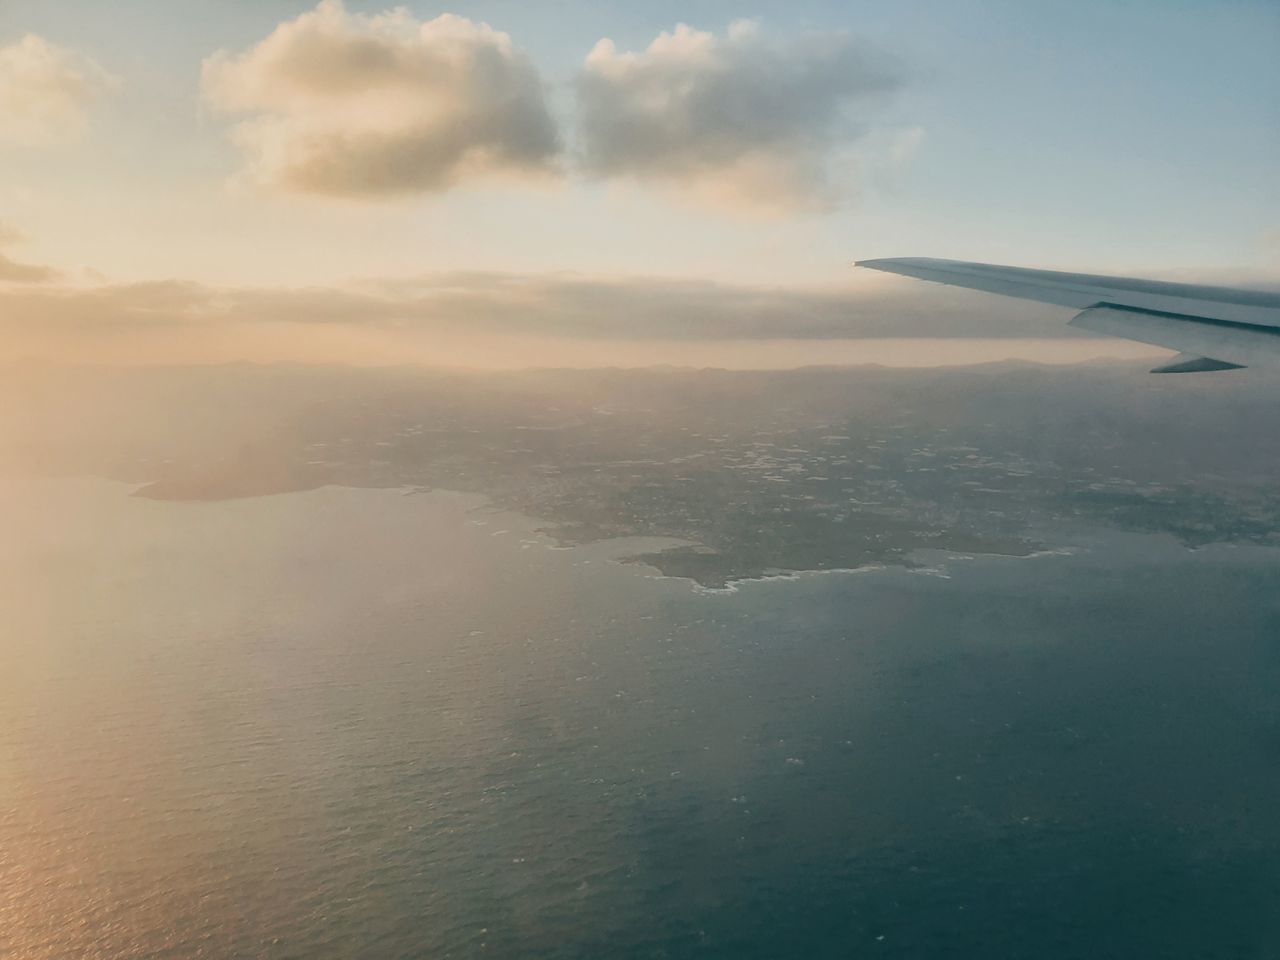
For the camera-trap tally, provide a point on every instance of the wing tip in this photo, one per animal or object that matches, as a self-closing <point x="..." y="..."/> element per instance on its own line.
<point x="898" y="264"/>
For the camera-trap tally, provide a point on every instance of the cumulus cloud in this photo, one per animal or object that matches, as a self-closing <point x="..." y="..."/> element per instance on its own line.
<point x="348" y="104"/>
<point x="46" y="92"/>
<point x="734" y="121"/>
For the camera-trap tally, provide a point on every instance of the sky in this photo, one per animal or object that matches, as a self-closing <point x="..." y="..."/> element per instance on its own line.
<point x="259" y="179"/>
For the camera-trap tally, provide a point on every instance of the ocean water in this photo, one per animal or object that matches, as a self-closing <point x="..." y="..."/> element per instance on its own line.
<point x="356" y="723"/>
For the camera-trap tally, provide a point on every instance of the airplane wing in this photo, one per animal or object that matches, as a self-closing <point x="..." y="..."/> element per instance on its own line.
<point x="1213" y="328"/>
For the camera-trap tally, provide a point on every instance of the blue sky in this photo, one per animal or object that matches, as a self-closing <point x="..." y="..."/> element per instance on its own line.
<point x="1125" y="137"/>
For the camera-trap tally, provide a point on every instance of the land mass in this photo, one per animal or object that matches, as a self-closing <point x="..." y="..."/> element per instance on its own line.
<point x="761" y="472"/>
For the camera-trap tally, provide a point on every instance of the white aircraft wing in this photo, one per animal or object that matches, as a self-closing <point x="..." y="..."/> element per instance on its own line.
<point x="1213" y="328"/>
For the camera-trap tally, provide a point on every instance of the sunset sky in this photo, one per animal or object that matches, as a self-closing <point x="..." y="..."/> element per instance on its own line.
<point x="277" y="180"/>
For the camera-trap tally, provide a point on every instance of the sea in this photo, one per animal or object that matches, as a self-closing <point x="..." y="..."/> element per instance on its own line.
<point x="349" y="723"/>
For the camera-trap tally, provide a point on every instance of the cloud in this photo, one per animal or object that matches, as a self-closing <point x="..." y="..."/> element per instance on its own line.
<point x="549" y="307"/>
<point x="509" y="321"/>
<point x="46" y="91"/>
<point x="354" y="105"/>
<point x="734" y="121"/>
<point x="12" y="271"/>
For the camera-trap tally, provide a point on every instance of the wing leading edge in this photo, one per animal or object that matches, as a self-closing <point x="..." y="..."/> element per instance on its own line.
<point x="1213" y="328"/>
